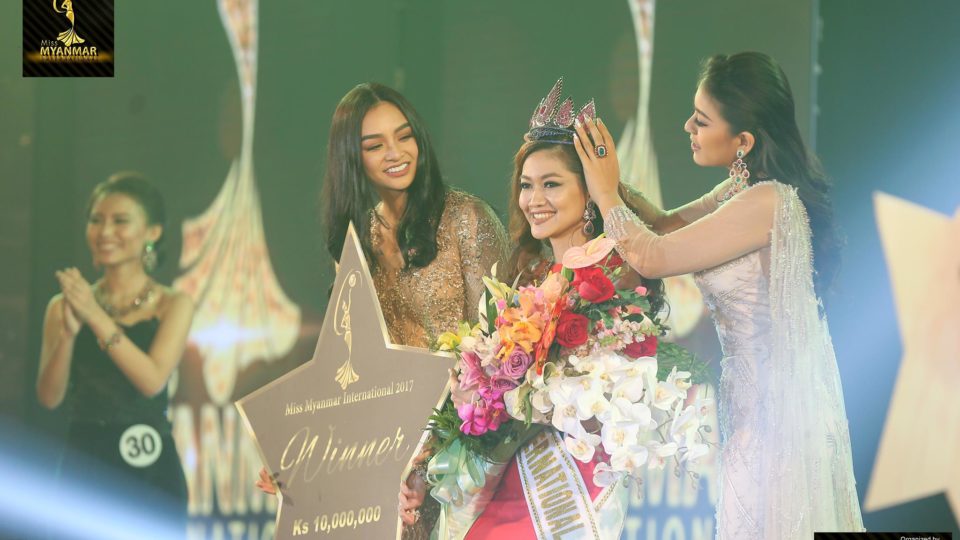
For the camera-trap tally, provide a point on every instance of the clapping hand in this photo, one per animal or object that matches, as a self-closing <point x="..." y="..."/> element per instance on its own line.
<point x="80" y="306"/>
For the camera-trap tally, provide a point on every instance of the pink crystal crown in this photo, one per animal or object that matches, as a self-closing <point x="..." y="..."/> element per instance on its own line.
<point x="553" y="120"/>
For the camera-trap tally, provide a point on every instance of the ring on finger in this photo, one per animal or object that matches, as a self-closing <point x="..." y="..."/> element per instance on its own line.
<point x="600" y="150"/>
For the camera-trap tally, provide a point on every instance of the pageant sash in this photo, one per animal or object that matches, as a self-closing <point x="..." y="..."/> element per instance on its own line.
<point x="558" y="500"/>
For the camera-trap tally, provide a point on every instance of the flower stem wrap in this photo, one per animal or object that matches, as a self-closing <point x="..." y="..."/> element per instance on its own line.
<point x="464" y="481"/>
<point x="463" y="484"/>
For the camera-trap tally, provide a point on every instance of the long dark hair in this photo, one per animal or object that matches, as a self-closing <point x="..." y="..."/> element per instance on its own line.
<point x="754" y="95"/>
<point x="145" y="194"/>
<point x="349" y="196"/>
<point x="529" y="251"/>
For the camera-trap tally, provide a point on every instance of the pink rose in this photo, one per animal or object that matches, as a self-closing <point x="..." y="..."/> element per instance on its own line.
<point x="516" y="364"/>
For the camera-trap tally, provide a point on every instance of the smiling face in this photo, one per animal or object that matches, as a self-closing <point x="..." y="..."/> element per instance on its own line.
<point x="711" y="140"/>
<point x="552" y="198"/>
<point x="388" y="148"/>
<point x="117" y="230"/>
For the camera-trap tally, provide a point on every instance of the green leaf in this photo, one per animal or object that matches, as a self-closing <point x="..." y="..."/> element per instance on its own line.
<point x="491" y="314"/>
<point x="670" y="355"/>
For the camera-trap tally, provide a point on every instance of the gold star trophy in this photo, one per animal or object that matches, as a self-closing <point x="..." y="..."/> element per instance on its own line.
<point x="339" y="432"/>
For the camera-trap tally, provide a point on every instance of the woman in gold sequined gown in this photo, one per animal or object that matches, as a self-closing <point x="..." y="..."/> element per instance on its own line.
<point x="427" y="245"/>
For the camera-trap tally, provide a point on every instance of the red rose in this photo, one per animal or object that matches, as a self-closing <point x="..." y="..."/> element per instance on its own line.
<point x="593" y="285"/>
<point x="637" y="349"/>
<point x="572" y="329"/>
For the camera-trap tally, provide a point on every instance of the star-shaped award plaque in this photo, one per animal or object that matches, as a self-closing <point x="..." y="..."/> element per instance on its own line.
<point x="921" y="439"/>
<point x="339" y="432"/>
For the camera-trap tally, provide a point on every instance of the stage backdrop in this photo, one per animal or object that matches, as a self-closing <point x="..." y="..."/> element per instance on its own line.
<point x="206" y="109"/>
<point x="227" y="107"/>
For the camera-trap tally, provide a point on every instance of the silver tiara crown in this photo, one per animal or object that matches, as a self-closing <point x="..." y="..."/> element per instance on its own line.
<point x="553" y="120"/>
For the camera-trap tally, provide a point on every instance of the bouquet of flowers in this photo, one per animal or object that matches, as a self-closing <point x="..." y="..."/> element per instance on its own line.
<point x="581" y="353"/>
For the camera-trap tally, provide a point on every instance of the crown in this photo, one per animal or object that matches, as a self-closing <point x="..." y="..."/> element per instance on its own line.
<point x="553" y="121"/>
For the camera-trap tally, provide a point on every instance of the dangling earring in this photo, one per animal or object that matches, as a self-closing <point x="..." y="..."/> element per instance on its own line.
<point x="589" y="214"/>
<point x="739" y="173"/>
<point x="149" y="257"/>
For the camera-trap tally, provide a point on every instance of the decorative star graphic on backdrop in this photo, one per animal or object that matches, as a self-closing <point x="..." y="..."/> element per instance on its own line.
<point x="339" y="432"/>
<point x="921" y="438"/>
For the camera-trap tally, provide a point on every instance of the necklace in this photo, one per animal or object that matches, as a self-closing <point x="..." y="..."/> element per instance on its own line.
<point x="144" y="297"/>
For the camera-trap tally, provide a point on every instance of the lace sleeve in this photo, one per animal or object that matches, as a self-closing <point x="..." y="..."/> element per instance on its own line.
<point x="483" y="243"/>
<point x="705" y="205"/>
<point x="665" y="221"/>
<point x="738" y="227"/>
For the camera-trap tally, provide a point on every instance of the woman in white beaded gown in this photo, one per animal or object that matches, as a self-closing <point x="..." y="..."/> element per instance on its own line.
<point x="762" y="246"/>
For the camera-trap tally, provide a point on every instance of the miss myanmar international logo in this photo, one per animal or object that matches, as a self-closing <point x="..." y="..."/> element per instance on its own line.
<point x="71" y="41"/>
<point x="68" y="38"/>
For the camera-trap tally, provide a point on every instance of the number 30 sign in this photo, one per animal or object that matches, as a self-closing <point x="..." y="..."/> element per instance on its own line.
<point x="140" y="445"/>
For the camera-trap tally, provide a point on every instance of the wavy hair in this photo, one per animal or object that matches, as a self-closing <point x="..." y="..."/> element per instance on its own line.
<point x="349" y="196"/>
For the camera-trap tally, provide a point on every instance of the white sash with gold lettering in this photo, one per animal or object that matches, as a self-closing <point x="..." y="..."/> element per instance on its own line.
<point x="559" y="503"/>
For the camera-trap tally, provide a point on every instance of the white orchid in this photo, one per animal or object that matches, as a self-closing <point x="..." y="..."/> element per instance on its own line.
<point x="587" y="364"/>
<point x="659" y="453"/>
<point x="666" y="393"/>
<point x="637" y="368"/>
<point x="630" y="459"/>
<point x="619" y="435"/>
<point x="604" y="475"/>
<point x="582" y="446"/>
<point x="540" y="399"/>
<point x="624" y="395"/>
<point x="565" y="395"/>
<point x="590" y="398"/>
<point x="704" y="408"/>
<point x="630" y="411"/>
<point x="604" y="365"/>
<point x="629" y="388"/>
<point x="694" y="451"/>
<point x="680" y="379"/>
<point x="685" y="425"/>
<point x="514" y="403"/>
